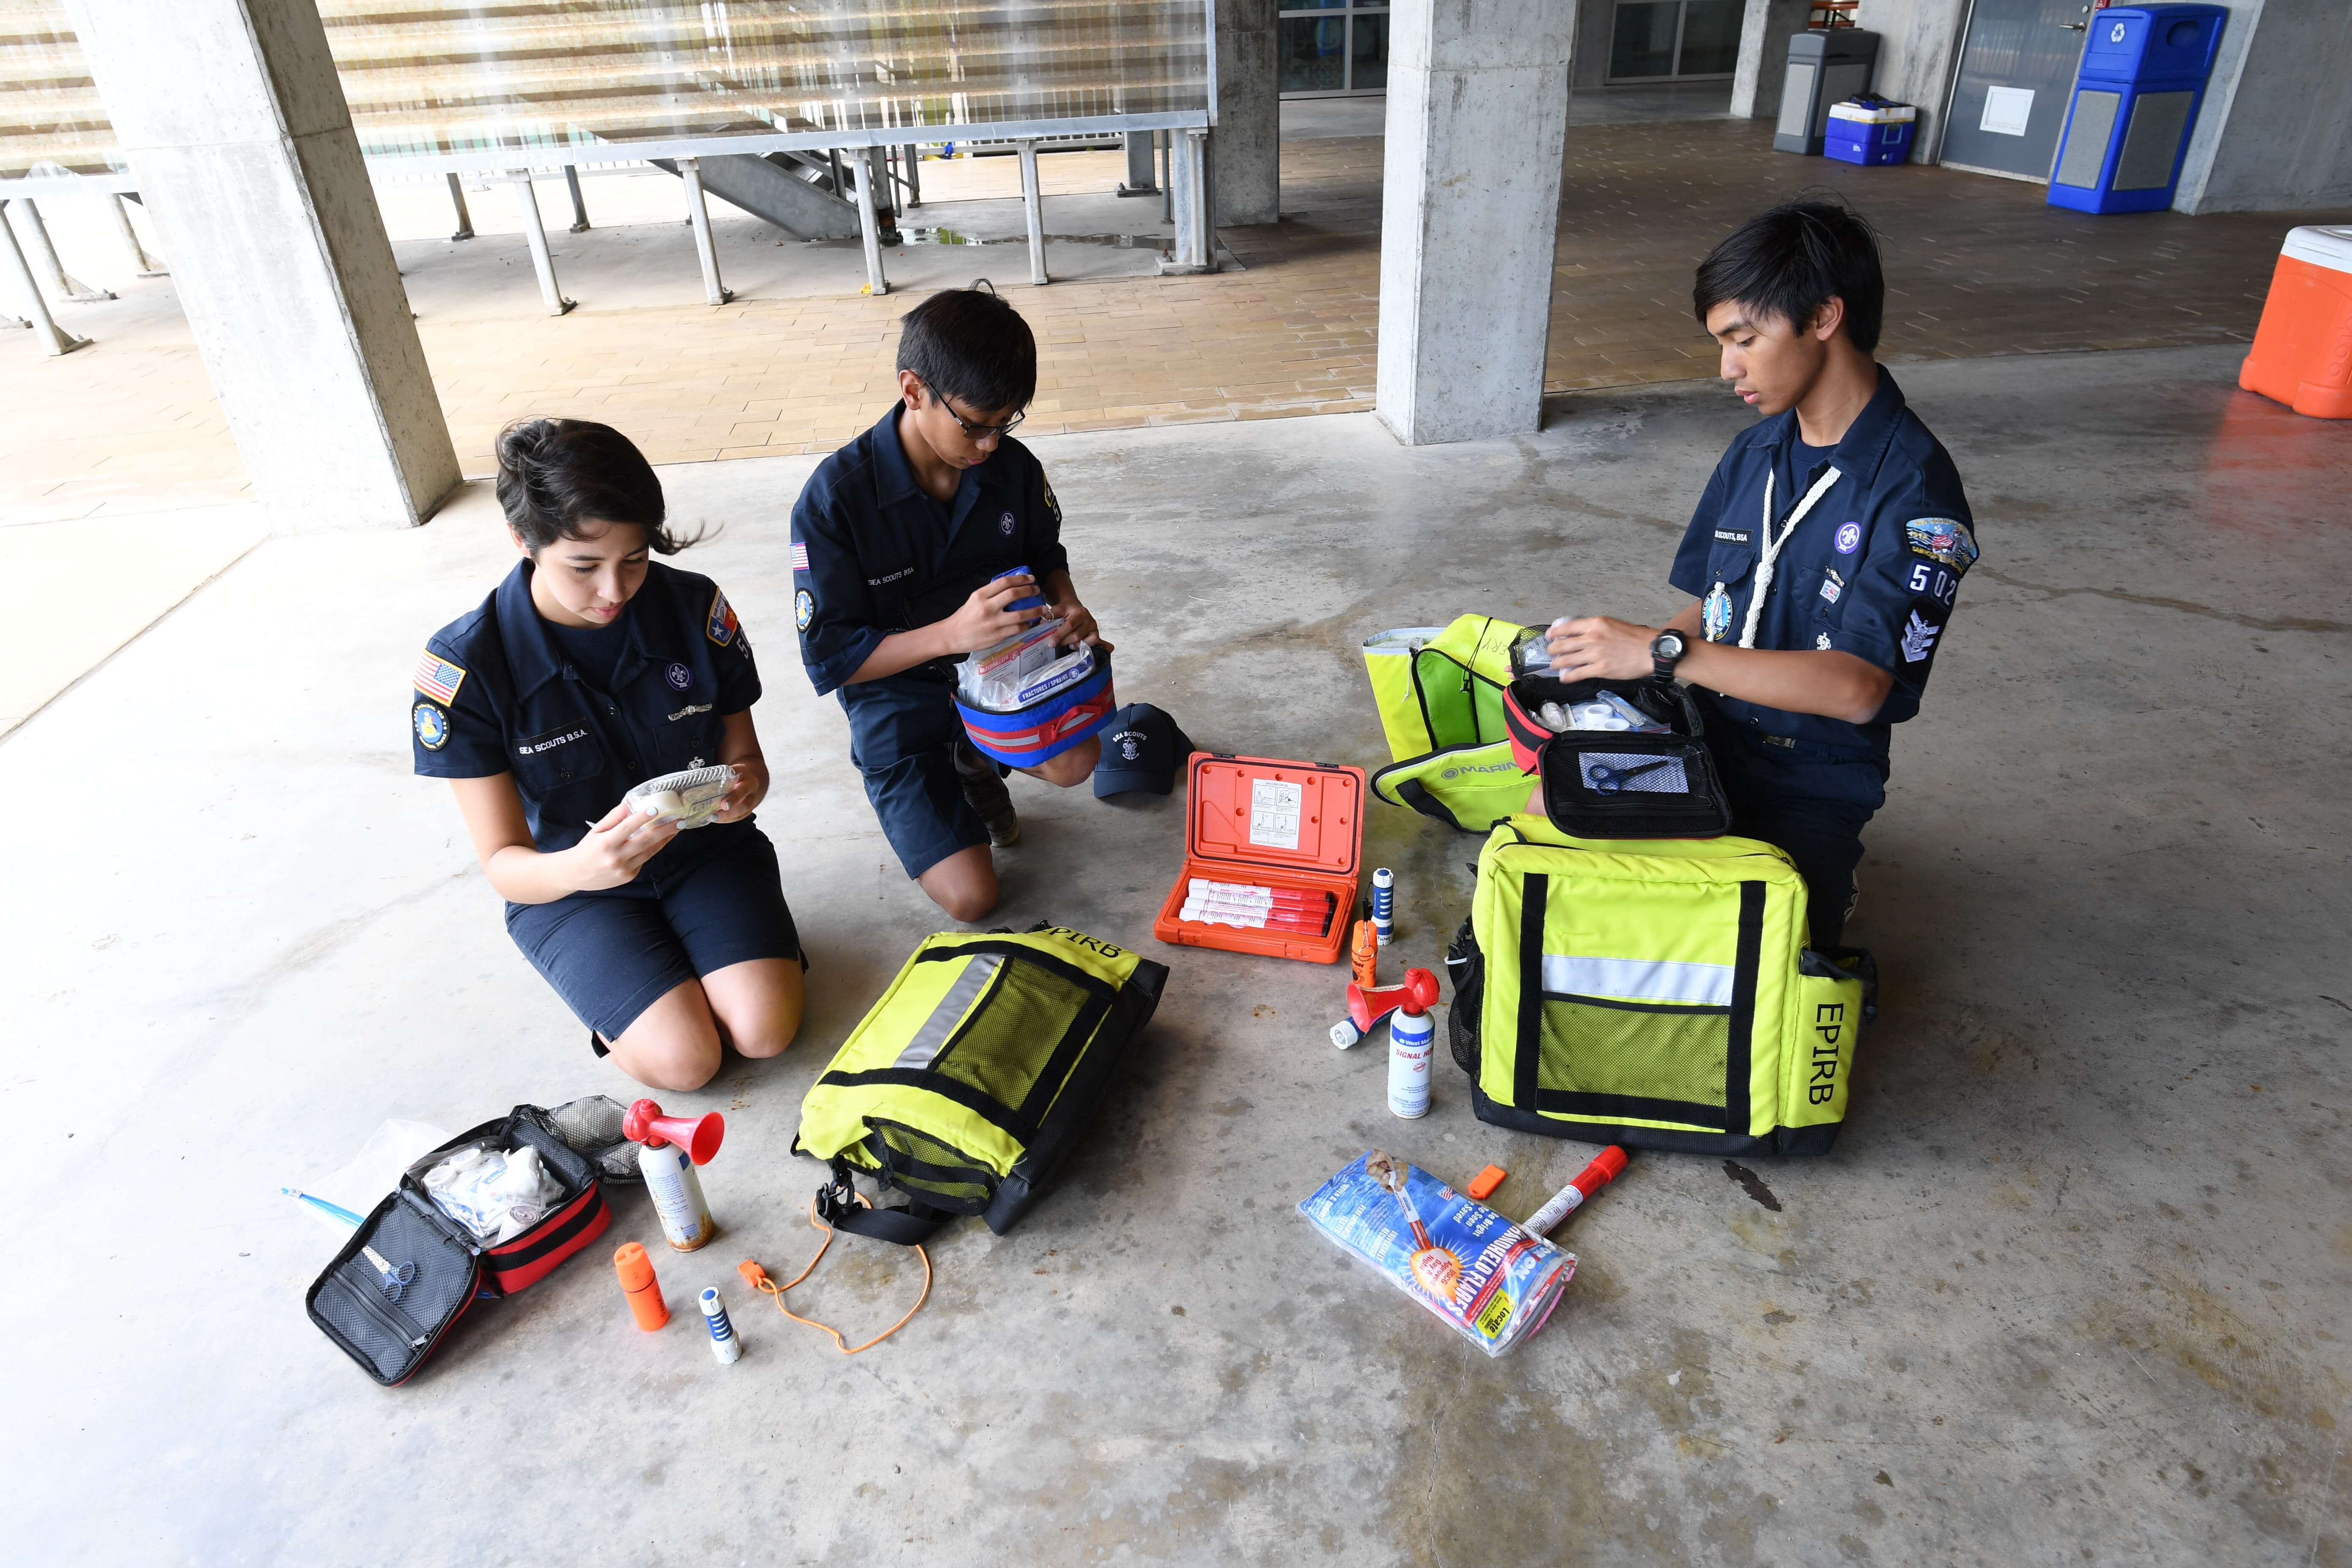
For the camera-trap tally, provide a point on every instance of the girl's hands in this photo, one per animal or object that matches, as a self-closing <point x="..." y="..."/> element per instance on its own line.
<point x="743" y="796"/>
<point x="617" y="848"/>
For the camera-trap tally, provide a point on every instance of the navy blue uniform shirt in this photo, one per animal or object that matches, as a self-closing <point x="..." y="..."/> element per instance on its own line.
<point x="873" y="554"/>
<point x="1872" y="570"/>
<point x="495" y="694"/>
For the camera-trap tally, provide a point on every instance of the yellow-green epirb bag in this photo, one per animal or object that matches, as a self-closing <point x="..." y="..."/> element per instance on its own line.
<point x="973" y="1075"/>
<point x="1653" y="993"/>
<point x="1440" y="694"/>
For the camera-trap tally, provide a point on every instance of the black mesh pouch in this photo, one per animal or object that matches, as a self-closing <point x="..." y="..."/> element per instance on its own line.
<point x="396" y="1287"/>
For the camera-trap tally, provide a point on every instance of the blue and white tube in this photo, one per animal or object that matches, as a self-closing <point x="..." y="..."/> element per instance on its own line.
<point x="1384" y="905"/>
<point x="724" y="1346"/>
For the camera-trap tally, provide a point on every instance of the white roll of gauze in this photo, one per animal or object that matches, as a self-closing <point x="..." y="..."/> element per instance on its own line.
<point x="1554" y="717"/>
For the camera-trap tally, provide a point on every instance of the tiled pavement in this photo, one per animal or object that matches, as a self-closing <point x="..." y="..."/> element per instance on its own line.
<point x="1976" y="265"/>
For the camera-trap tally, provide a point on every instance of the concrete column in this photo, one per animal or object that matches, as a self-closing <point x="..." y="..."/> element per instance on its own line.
<point x="233" y="119"/>
<point x="2274" y="133"/>
<point x="1470" y="208"/>
<point x="1764" y="32"/>
<point x="1245" y="152"/>
<point x="1918" y="49"/>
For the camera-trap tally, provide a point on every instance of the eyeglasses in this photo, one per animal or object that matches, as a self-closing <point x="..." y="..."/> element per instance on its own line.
<point x="972" y="431"/>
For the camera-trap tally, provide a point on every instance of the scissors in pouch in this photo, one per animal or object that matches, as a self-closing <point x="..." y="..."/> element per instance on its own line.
<point x="1603" y="779"/>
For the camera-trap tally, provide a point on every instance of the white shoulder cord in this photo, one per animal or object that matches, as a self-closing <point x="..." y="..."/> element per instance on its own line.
<point x="1772" y="547"/>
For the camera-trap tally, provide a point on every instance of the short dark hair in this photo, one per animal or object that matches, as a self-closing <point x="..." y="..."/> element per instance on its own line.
<point x="1788" y="262"/>
<point x="557" y="475"/>
<point x="969" y="344"/>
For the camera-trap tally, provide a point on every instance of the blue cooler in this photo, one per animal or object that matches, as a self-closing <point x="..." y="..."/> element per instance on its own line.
<point x="1865" y="130"/>
<point x="2136" y="100"/>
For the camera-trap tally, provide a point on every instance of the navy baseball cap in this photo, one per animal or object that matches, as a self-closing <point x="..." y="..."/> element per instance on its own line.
<point x="1141" y="749"/>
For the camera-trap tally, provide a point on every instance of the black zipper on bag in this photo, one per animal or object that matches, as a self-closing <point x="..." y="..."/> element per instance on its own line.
<point x="394" y="1323"/>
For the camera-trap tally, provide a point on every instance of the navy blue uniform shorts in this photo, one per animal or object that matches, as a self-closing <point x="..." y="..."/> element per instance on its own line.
<point x="714" y="898"/>
<point x="902" y="734"/>
<point x="1813" y="806"/>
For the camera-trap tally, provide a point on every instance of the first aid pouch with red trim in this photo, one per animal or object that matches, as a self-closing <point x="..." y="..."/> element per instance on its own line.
<point x="411" y="1271"/>
<point x="1620" y="783"/>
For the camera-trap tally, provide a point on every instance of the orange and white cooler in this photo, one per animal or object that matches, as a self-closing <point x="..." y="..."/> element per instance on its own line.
<point x="2303" y="349"/>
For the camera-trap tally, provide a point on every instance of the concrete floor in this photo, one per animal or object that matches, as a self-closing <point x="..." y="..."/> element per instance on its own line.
<point x="2072" y="1288"/>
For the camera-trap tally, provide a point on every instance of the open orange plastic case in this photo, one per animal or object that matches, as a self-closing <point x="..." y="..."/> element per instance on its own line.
<point x="1277" y="824"/>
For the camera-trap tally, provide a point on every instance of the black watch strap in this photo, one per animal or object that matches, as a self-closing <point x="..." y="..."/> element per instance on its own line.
<point x="1662" y="663"/>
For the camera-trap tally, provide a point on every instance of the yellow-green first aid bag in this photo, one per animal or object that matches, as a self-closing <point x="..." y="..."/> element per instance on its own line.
<point x="1440" y="692"/>
<point x="1443" y="686"/>
<point x="1653" y="993"/>
<point x="973" y="1075"/>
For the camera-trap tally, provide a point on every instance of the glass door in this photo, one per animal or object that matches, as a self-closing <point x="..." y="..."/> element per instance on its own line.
<point x="1673" y="40"/>
<point x="1328" y="48"/>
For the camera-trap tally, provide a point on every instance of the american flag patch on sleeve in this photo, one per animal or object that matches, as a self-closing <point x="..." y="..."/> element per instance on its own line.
<point x="438" y="678"/>
<point x="800" y="556"/>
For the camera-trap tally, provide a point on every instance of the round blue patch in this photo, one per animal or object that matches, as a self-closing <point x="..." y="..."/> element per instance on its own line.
<point x="1849" y="538"/>
<point x="1004" y="525"/>
<point x="803" y="608"/>
<point x="679" y="676"/>
<point x="432" y="726"/>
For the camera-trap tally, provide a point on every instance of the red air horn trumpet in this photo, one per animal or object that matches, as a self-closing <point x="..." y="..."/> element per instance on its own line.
<point x="1367" y="1009"/>
<point x="643" y="1123"/>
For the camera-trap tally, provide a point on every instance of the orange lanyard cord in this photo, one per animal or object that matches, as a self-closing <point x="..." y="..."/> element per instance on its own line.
<point x="758" y="1278"/>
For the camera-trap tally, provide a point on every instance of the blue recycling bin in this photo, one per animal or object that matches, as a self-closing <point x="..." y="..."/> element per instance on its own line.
<point x="2136" y="100"/>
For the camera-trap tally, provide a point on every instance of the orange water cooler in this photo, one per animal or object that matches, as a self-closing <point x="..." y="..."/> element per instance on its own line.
<point x="2303" y="349"/>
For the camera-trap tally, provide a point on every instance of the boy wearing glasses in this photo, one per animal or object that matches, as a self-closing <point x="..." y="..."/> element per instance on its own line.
<point x="898" y="542"/>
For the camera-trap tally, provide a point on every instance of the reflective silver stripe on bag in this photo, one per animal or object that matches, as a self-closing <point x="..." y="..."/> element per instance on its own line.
<point x="932" y="1038"/>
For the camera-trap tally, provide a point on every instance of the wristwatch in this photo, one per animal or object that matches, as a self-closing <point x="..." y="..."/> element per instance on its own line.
<point x="1666" y="651"/>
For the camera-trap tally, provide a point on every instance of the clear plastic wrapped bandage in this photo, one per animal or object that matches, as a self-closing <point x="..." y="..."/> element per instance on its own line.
<point x="689" y="797"/>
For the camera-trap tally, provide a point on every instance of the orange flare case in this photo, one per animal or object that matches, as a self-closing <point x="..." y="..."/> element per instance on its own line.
<point x="1279" y="824"/>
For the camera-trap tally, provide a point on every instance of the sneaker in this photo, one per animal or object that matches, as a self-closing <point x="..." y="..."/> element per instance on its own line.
<point x="984" y="789"/>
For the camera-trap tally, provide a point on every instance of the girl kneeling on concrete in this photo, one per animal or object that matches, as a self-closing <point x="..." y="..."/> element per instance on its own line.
<point x="589" y="668"/>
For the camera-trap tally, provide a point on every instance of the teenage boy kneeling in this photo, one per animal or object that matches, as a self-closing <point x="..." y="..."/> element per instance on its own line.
<point x="898" y="542"/>
<point x="1822" y="561"/>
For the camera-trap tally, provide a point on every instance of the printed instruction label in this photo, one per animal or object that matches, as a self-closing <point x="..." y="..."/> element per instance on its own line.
<point x="1275" y="810"/>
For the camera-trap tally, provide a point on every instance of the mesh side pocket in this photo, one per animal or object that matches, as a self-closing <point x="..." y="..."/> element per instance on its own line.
<point x="1613" y="772"/>
<point x="938" y="1173"/>
<point x="1006" y="1045"/>
<point x="1643" y="1053"/>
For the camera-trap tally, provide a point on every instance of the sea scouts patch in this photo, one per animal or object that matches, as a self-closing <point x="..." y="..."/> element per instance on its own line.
<point x="1051" y="504"/>
<point x="803" y="608"/>
<point x="432" y="726"/>
<point x="1821" y="641"/>
<point x="1715" y="619"/>
<point x="437" y="676"/>
<point x="1943" y="539"/>
<point x="721" y="626"/>
<point x="678" y="676"/>
<point x="1849" y="538"/>
<point x="1004" y="525"/>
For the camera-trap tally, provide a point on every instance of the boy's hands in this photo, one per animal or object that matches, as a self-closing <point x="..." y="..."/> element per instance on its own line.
<point x="984" y="618"/>
<point x="1600" y="648"/>
<point x="1077" y="625"/>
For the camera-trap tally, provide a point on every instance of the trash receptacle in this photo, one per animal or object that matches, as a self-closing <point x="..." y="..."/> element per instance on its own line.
<point x="2303" y="349"/>
<point x="2135" y="99"/>
<point x="1825" y="64"/>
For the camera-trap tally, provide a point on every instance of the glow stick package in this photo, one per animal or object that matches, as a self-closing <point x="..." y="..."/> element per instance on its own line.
<point x="1480" y="1274"/>
<point x="690" y="797"/>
